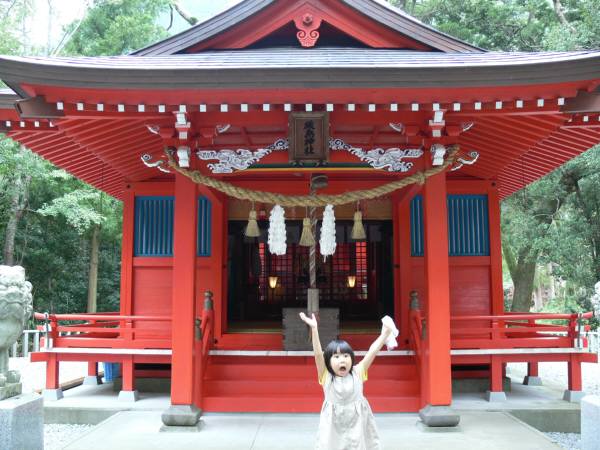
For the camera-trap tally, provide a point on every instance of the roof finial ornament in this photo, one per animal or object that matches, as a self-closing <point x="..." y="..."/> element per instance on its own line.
<point x="307" y="25"/>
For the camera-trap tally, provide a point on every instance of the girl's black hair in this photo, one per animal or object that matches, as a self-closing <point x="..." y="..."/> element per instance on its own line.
<point x="337" y="346"/>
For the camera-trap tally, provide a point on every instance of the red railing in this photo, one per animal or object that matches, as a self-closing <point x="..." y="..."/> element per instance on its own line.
<point x="108" y="330"/>
<point x="521" y="330"/>
<point x="206" y="329"/>
<point x="415" y="328"/>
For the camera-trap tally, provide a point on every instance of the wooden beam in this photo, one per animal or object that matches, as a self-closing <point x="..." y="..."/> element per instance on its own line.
<point x="584" y="102"/>
<point x="37" y="108"/>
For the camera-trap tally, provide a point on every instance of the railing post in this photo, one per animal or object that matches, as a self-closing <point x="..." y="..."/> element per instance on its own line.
<point x="25" y="344"/>
<point x="36" y="341"/>
<point x="14" y="349"/>
<point x="579" y="329"/>
<point x="208" y="301"/>
<point x="495" y="330"/>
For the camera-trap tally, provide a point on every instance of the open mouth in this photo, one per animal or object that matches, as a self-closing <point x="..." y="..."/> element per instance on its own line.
<point x="342" y="369"/>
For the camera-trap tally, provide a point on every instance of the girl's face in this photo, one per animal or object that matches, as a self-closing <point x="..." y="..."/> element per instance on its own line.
<point x="341" y="363"/>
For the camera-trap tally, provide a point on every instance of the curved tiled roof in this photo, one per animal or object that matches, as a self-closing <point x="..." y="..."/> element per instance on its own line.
<point x="307" y="68"/>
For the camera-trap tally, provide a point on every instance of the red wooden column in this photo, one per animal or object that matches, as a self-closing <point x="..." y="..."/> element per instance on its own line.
<point x="574" y="393"/>
<point x="53" y="391"/>
<point x="182" y="411"/>
<point x="437" y="382"/>
<point x="533" y="376"/>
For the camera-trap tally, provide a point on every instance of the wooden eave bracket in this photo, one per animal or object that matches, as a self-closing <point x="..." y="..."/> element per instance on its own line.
<point x="584" y="102"/>
<point x="37" y="108"/>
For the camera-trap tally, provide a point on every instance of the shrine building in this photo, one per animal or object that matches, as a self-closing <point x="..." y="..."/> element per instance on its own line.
<point x="414" y="137"/>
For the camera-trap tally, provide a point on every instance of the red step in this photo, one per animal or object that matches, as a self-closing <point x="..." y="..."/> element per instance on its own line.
<point x="289" y="384"/>
<point x="302" y="404"/>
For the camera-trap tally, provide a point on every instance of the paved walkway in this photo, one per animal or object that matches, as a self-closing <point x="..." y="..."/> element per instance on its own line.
<point x="134" y="430"/>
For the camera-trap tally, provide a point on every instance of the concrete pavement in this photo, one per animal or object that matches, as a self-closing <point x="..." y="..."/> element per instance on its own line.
<point x="141" y="430"/>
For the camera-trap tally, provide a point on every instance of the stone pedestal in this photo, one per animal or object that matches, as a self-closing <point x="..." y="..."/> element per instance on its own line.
<point x="573" y="396"/>
<point x="532" y="381"/>
<point x="495" y="396"/>
<point x="181" y="416"/>
<point x="296" y="335"/>
<point x="590" y="418"/>
<point x="22" y="423"/>
<point x="92" y="380"/>
<point x="439" y="416"/>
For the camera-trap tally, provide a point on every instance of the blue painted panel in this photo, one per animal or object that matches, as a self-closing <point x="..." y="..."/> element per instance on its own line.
<point x="204" y="226"/>
<point x="153" y="226"/>
<point x="468" y="226"/>
<point x="416" y="226"/>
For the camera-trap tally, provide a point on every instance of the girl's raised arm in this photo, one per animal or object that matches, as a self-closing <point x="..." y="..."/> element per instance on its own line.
<point x="374" y="349"/>
<point x="319" y="360"/>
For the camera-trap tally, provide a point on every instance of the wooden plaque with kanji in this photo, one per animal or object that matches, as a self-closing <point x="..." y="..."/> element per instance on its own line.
<point x="309" y="137"/>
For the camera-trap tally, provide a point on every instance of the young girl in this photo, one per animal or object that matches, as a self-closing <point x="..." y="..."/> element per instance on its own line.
<point x="346" y="421"/>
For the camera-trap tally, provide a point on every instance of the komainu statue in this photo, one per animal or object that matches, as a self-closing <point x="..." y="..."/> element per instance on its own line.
<point x="15" y="309"/>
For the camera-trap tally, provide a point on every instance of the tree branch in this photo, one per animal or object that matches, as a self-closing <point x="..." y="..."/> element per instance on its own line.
<point x="561" y="15"/>
<point x="184" y="15"/>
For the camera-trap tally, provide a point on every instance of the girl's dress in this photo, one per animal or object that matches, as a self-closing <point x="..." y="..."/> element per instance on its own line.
<point x="346" y="422"/>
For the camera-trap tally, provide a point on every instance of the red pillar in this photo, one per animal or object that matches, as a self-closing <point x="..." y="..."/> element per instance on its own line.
<point x="127" y="252"/>
<point x="184" y="271"/>
<point x="496" y="288"/>
<point x="52" y="372"/>
<point x="438" y="380"/>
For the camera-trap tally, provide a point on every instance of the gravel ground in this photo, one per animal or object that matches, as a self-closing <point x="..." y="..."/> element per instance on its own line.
<point x="570" y="441"/>
<point x="555" y="374"/>
<point x="57" y="436"/>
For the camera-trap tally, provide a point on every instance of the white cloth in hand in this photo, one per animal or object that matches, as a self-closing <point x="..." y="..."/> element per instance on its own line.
<point x="391" y="342"/>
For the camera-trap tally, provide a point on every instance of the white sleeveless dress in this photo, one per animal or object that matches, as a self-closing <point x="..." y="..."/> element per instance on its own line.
<point x="346" y="422"/>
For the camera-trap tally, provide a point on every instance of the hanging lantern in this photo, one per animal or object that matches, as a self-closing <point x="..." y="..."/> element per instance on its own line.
<point x="252" y="229"/>
<point x="277" y="233"/>
<point x="327" y="242"/>
<point x="273" y="282"/>
<point x="358" y="229"/>
<point x="307" y="239"/>
<point x="351" y="281"/>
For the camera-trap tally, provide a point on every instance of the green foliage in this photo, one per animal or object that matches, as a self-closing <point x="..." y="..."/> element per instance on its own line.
<point x="115" y="27"/>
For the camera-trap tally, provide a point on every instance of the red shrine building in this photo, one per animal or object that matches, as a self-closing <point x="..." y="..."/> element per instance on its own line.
<point x="192" y="132"/>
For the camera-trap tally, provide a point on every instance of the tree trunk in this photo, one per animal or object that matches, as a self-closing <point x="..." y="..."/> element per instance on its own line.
<point x="93" y="273"/>
<point x="18" y="203"/>
<point x="523" y="282"/>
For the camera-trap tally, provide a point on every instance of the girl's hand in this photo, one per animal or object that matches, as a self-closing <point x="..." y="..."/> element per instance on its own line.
<point x="312" y="322"/>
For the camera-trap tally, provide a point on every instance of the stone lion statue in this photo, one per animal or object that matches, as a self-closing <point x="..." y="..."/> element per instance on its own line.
<point x="15" y="309"/>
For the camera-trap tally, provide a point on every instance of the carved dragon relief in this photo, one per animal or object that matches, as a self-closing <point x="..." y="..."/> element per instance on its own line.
<point x="241" y="159"/>
<point x="380" y="158"/>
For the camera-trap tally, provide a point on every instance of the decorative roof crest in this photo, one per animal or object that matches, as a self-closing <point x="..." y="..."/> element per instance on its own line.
<point x="307" y="25"/>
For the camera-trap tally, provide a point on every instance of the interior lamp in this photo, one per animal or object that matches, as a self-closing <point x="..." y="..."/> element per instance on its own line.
<point x="272" y="282"/>
<point x="351" y="281"/>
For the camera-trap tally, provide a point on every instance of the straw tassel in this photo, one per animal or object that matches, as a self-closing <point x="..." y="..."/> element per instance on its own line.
<point x="252" y="229"/>
<point x="358" y="229"/>
<point x="307" y="239"/>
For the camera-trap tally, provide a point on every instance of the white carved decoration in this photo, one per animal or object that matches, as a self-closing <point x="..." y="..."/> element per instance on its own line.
<point x="467" y="126"/>
<point x="397" y="126"/>
<point x="154" y="129"/>
<point x="327" y="242"/>
<point x="277" y="232"/>
<point x="183" y="154"/>
<point x="223" y="128"/>
<point x="241" y="159"/>
<point x="438" y="151"/>
<point x="380" y="158"/>
<point x="460" y="161"/>
<point x="147" y="160"/>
